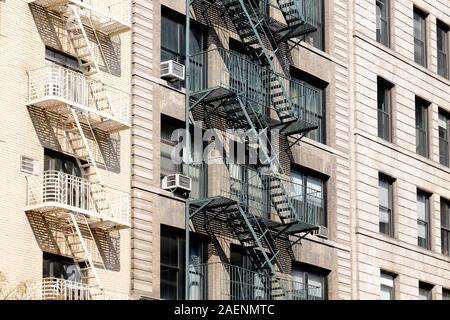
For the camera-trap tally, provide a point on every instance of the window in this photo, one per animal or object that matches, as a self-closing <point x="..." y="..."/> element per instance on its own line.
<point x="442" y="48"/>
<point x="309" y="283"/>
<point x="425" y="291"/>
<point x="422" y="127"/>
<point x="423" y="219"/>
<point x="384" y="110"/>
<point x="317" y="38"/>
<point x="168" y="126"/>
<point x="383" y="22"/>
<point x="314" y="103"/>
<point x="445" y="227"/>
<point x="60" y="267"/>
<point x="172" y="40"/>
<point x="63" y="60"/>
<point x="385" y="205"/>
<point x="387" y="291"/>
<point x="173" y="265"/>
<point x="309" y="191"/>
<point x="420" y="37"/>
<point x="444" y="119"/>
<point x="445" y="294"/>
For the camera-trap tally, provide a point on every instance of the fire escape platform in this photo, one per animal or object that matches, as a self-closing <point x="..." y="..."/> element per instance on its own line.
<point x="212" y="203"/>
<point x="291" y="228"/>
<point x="285" y="32"/>
<point x="60" y="211"/>
<point x="97" y="119"/>
<point x="109" y="17"/>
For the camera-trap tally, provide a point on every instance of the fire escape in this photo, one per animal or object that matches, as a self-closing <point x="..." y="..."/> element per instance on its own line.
<point x="228" y="90"/>
<point x="85" y="105"/>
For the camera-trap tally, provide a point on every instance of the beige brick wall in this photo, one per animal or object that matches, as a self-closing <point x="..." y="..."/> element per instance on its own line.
<point x="23" y="49"/>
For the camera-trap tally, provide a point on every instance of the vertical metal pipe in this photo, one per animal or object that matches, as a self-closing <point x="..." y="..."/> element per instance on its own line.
<point x="187" y="144"/>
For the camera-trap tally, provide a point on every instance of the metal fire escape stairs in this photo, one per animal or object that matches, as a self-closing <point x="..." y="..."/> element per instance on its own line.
<point x="252" y="231"/>
<point x="76" y="227"/>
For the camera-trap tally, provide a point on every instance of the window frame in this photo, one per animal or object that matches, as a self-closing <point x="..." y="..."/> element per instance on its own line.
<point x="427" y="221"/>
<point x="428" y="287"/>
<point x="392" y="289"/>
<point x="444" y="28"/>
<point x="317" y="38"/>
<point x="306" y="271"/>
<point x="386" y="88"/>
<point x="390" y="210"/>
<point x="386" y="20"/>
<point x="424" y="129"/>
<point x="444" y="157"/>
<point x="424" y="37"/>
<point x="445" y="229"/>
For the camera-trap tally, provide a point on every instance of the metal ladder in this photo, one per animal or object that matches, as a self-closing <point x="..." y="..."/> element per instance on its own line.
<point x="86" y="56"/>
<point x="79" y="250"/>
<point x="250" y="25"/>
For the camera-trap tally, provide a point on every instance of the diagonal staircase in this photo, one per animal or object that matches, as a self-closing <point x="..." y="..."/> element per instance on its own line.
<point x="73" y="229"/>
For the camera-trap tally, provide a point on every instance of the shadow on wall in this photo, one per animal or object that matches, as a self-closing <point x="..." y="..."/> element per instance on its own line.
<point x="51" y="133"/>
<point x="53" y="34"/>
<point x="49" y="236"/>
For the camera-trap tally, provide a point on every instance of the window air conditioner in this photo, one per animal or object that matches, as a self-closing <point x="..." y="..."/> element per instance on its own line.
<point x="172" y="71"/>
<point x="322" y="232"/>
<point x="177" y="182"/>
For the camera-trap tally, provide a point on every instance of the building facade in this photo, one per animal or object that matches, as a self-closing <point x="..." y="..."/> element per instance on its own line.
<point x="357" y="91"/>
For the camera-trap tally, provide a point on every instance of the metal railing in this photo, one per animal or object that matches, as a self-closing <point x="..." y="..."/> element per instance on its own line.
<point x="308" y="10"/>
<point x="221" y="68"/>
<point x="54" y="81"/>
<point x="61" y="289"/>
<point x="54" y="188"/>
<point x="222" y="281"/>
<point x="256" y="192"/>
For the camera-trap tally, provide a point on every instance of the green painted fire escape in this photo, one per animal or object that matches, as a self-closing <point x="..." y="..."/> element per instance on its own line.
<point x="246" y="103"/>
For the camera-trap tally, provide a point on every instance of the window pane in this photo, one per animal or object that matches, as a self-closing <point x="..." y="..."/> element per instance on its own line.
<point x="169" y="283"/>
<point x="384" y="112"/>
<point x="419" y="38"/>
<point x="421" y="128"/>
<point x="445" y="294"/>
<point x="424" y="292"/>
<point x="316" y="38"/>
<point x="169" y="34"/>
<point x="382" y="22"/>
<point x="315" y="282"/>
<point x="421" y="207"/>
<point x="384" y="193"/>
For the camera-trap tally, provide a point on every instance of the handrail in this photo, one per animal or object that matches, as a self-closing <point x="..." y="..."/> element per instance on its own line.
<point x="54" y="81"/>
<point x="224" y="281"/>
<point x="67" y="190"/>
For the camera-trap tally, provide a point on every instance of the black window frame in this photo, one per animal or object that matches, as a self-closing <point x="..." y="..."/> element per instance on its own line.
<point x="384" y="109"/>
<point x="384" y="39"/>
<point x="444" y="138"/>
<point x="442" y="48"/>
<point x="422" y="41"/>
<point x="422" y="129"/>
<point x="390" y="210"/>
<point x="178" y="235"/>
<point x="427" y="241"/>
<point x="427" y="287"/>
<point x="445" y="227"/>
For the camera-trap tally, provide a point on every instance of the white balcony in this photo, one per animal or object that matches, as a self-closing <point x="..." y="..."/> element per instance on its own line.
<point x="111" y="17"/>
<point x="55" y="89"/>
<point x="54" y="191"/>
<point x="61" y="289"/>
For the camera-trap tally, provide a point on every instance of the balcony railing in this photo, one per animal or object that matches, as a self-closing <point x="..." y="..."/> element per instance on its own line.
<point x="226" y="72"/>
<point x="254" y="191"/>
<point x="221" y="281"/>
<point x="53" y="189"/>
<point x="109" y="16"/>
<point x="61" y="289"/>
<point x="52" y="84"/>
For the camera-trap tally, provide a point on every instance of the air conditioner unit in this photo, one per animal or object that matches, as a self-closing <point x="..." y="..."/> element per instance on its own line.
<point x="172" y="71"/>
<point x="322" y="232"/>
<point x="177" y="182"/>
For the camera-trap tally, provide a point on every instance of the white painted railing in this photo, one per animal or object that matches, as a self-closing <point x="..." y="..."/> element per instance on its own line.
<point x="54" y="81"/>
<point x="61" y="289"/>
<point x="117" y="10"/>
<point x="54" y="188"/>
